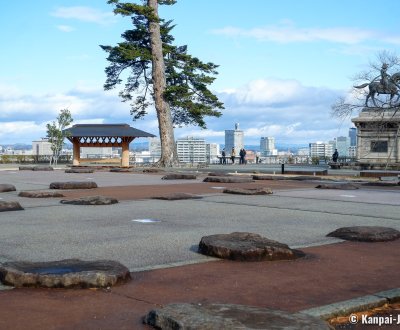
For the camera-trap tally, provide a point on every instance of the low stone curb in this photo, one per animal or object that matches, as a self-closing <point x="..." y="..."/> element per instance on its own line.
<point x="360" y="304"/>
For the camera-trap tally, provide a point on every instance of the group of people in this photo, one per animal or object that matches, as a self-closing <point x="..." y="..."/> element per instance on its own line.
<point x="242" y="156"/>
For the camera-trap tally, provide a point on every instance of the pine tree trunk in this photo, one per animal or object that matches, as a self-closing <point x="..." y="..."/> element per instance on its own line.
<point x="168" y="148"/>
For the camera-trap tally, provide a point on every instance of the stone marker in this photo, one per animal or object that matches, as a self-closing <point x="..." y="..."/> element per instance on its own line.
<point x="268" y="177"/>
<point x="219" y="174"/>
<point x="179" y="176"/>
<point x="177" y="196"/>
<point x="366" y="234"/>
<point x="40" y="194"/>
<point x="5" y="187"/>
<point x="91" y="200"/>
<point x="42" y="168"/>
<point x="26" y="168"/>
<point x="246" y="247"/>
<point x="341" y="186"/>
<point x="73" y="185"/>
<point x="383" y="184"/>
<point x="122" y="169"/>
<point x="10" y="206"/>
<point x="69" y="273"/>
<point x="242" y="191"/>
<point x="228" y="317"/>
<point x="228" y="179"/>
<point x="79" y="170"/>
<point x="152" y="170"/>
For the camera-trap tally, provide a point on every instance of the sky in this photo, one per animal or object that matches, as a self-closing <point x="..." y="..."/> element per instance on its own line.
<point x="282" y="64"/>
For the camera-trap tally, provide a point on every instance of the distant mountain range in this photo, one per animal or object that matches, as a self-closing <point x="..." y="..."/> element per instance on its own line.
<point x="140" y="146"/>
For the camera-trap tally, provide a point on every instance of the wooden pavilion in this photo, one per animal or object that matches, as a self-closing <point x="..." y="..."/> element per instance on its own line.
<point x="103" y="135"/>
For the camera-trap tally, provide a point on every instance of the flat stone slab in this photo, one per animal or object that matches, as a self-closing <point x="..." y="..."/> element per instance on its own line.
<point x="366" y="234"/>
<point x="79" y="170"/>
<point x="40" y="194"/>
<point x="177" y="196"/>
<point x="90" y="200"/>
<point x="69" y="273"/>
<point x="383" y="184"/>
<point x="5" y="187"/>
<point x="228" y="317"/>
<point x="10" y="206"/>
<point x="268" y="177"/>
<point x="122" y="169"/>
<point x="228" y="179"/>
<point x="244" y="246"/>
<point x="73" y="185"/>
<point x="26" y="168"/>
<point x="219" y="174"/>
<point x="179" y="176"/>
<point x="242" y="191"/>
<point x="43" y="168"/>
<point x="341" y="186"/>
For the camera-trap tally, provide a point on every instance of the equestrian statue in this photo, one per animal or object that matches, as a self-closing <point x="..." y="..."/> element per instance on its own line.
<point x="386" y="85"/>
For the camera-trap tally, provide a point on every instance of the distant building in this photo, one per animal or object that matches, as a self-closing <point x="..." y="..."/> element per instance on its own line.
<point x="353" y="151"/>
<point x="191" y="150"/>
<point x="267" y="146"/>
<point x="97" y="152"/>
<point x="321" y="149"/>
<point x="353" y="136"/>
<point x="42" y="147"/>
<point x="343" y="145"/>
<point x="155" y="148"/>
<point x="234" y="139"/>
<point x="213" y="152"/>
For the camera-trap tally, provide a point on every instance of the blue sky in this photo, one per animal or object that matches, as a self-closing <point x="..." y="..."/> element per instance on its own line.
<point x="282" y="64"/>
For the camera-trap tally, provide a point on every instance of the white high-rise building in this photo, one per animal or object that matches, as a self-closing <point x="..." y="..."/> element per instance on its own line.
<point x="234" y="139"/>
<point x="191" y="150"/>
<point x="321" y="149"/>
<point x="212" y="152"/>
<point x="42" y="147"/>
<point x="267" y="146"/>
<point x="343" y="144"/>
<point x="155" y="147"/>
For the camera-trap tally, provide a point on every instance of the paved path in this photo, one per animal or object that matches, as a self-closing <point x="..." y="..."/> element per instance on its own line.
<point x="296" y="214"/>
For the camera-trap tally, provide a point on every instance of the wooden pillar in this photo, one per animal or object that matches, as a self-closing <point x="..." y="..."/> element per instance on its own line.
<point x="76" y="152"/>
<point x="125" y="154"/>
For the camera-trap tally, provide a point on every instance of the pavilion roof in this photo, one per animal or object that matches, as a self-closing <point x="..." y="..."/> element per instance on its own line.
<point x="105" y="130"/>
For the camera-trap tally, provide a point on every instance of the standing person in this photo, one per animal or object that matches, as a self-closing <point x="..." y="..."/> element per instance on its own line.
<point x="244" y="156"/>
<point x="233" y="155"/>
<point x="241" y="155"/>
<point x="223" y="154"/>
<point x="335" y="156"/>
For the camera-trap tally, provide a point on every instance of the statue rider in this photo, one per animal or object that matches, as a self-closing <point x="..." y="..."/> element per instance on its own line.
<point x="384" y="77"/>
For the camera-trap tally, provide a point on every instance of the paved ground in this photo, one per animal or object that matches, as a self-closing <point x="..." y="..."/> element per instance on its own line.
<point x="296" y="214"/>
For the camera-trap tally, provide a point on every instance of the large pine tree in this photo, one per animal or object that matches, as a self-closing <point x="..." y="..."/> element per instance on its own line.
<point x="160" y="73"/>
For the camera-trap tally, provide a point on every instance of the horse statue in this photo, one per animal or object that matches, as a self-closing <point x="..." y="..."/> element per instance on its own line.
<point x="376" y="87"/>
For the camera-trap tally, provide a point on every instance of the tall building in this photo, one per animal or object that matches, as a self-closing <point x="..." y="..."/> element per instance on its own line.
<point x="321" y="149"/>
<point x="353" y="136"/>
<point x="212" y="150"/>
<point x="267" y="146"/>
<point x="191" y="150"/>
<point x="155" y="148"/>
<point x="42" y="147"/>
<point x="343" y="145"/>
<point x="234" y="139"/>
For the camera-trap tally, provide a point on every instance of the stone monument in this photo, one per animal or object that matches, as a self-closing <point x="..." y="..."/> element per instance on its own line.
<point x="378" y="138"/>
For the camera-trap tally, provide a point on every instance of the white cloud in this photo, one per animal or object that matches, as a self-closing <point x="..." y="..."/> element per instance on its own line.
<point x="284" y="109"/>
<point x="84" y="14"/>
<point x="287" y="32"/>
<point x="65" y="28"/>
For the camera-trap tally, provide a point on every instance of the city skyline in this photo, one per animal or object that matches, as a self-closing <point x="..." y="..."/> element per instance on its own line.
<point x="281" y="67"/>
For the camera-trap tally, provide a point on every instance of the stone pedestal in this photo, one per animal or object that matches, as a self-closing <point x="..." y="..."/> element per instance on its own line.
<point x="378" y="137"/>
